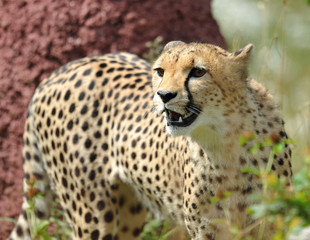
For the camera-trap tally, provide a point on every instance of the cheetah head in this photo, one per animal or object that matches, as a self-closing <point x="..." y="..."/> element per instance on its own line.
<point x="195" y="84"/>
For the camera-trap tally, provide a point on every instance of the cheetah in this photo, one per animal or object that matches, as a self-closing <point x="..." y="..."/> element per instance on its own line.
<point x="93" y="138"/>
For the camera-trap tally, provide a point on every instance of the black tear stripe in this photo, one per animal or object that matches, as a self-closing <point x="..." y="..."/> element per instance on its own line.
<point x="189" y="94"/>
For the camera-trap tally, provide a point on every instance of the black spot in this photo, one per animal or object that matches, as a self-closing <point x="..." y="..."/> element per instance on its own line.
<point x="91" y="85"/>
<point x="282" y="134"/>
<point x="145" y="105"/>
<point x="108" y="217"/>
<point x="43" y="99"/>
<point x="100" y="205"/>
<point x="92" y="157"/>
<point x="88" y="143"/>
<point x="70" y="125"/>
<point x="62" y="158"/>
<point x="60" y="114"/>
<point x="48" y="121"/>
<point x="27" y="155"/>
<point x="88" y="217"/>
<point x="110" y="70"/>
<point x="19" y="231"/>
<point x="105" y="146"/>
<point x="127" y="107"/>
<point x="78" y="83"/>
<point x="92" y="175"/>
<point x="81" y="96"/>
<point x="92" y="196"/>
<point x="285" y="173"/>
<point x="128" y="75"/>
<point x="77" y="172"/>
<point x="110" y="93"/>
<point x="75" y="139"/>
<point x="53" y="111"/>
<point x="84" y="109"/>
<point x="105" y="82"/>
<point x="80" y="232"/>
<point x="94" y="114"/>
<point x="117" y="77"/>
<point x="106" y="132"/>
<point x="97" y="134"/>
<point x="72" y="108"/>
<point x="116" y="96"/>
<point x="105" y="160"/>
<point x="64" y="182"/>
<point x="108" y="237"/>
<point x="105" y="108"/>
<point x="67" y="95"/>
<point x="95" y="235"/>
<point x="247" y="190"/>
<point x="85" y="126"/>
<point x="103" y="65"/>
<point x="138" y="119"/>
<point x="99" y="73"/>
<point x="136" y="232"/>
<point x="280" y="161"/>
<point x="87" y="72"/>
<point x="58" y="96"/>
<point x="72" y="77"/>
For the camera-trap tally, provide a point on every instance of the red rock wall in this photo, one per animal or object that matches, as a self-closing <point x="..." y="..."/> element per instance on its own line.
<point x="36" y="37"/>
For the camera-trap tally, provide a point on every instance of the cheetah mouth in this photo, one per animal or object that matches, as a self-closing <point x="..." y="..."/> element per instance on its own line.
<point x="178" y="120"/>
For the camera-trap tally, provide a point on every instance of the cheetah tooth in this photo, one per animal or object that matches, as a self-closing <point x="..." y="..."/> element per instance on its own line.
<point x="180" y="119"/>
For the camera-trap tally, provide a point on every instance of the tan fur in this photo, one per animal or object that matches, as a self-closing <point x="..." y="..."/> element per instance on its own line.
<point x="91" y="138"/>
<point x="230" y="104"/>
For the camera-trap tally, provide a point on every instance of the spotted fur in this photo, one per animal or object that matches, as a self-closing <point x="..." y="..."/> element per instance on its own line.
<point x="91" y="139"/>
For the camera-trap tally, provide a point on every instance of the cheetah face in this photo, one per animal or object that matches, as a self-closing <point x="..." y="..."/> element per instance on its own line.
<point x="190" y="83"/>
<point x="179" y="106"/>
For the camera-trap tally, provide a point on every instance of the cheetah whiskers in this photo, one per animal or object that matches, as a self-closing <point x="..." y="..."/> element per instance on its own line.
<point x="193" y="108"/>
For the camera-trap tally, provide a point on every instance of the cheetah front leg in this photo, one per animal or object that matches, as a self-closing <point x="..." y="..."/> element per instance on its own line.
<point x="36" y="181"/>
<point x="113" y="212"/>
<point x="132" y="214"/>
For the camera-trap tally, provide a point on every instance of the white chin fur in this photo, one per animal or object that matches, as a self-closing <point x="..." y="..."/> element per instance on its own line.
<point x="160" y="109"/>
<point x="177" y="131"/>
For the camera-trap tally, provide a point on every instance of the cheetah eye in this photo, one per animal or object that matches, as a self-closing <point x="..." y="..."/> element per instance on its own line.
<point x="160" y="71"/>
<point x="197" y="72"/>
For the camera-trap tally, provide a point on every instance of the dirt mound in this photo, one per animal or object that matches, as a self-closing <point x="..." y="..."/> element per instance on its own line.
<point x="36" y="37"/>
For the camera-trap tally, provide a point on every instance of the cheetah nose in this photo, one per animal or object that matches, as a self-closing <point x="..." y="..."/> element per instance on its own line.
<point x="166" y="96"/>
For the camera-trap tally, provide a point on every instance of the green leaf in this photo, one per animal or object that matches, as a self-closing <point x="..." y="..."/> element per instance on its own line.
<point x="214" y="199"/>
<point x="279" y="147"/>
<point x="258" y="210"/>
<point x="254" y="171"/>
<point x="6" y="219"/>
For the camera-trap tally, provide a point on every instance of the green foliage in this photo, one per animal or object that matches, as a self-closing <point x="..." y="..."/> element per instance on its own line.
<point x="155" y="47"/>
<point x="287" y="207"/>
<point x="157" y="229"/>
<point x="53" y="228"/>
<point x="284" y="206"/>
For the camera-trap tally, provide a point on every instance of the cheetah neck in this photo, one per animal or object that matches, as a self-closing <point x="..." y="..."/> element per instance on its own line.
<point x="220" y="140"/>
<point x="220" y="149"/>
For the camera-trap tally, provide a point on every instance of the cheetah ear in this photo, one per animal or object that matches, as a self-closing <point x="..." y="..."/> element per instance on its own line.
<point x="243" y="54"/>
<point x="172" y="44"/>
<point x="241" y="60"/>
